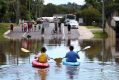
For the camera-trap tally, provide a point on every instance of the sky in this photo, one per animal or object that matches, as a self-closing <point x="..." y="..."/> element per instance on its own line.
<point x="57" y="2"/>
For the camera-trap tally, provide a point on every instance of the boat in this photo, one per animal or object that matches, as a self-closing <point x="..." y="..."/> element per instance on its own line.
<point x="37" y="64"/>
<point x="70" y="63"/>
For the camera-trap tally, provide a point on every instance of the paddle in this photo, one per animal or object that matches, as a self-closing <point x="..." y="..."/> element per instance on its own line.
<point x="25" y="50"/>
<point x="87" y="47"/>
<point x="57" y="60"/>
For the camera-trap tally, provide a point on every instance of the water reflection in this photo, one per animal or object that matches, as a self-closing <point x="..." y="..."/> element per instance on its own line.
<point x="43" y="73"/>
<point x="42" y="40"/>
<point x="97" y="50"/>
<point x="26" y="43"/>
<point x="117" y="51"/>
<point x="55" y="41"/>
<point x="58" y="64"/>
<point x="58" y="68"/>
<point x="2" y="56"/>
<point x="117" y="45"/>
<point x="10" y="50"/>
<point x="10" y="54"/>
<point x="72" y="72"/>
<point x="69" y="40"/>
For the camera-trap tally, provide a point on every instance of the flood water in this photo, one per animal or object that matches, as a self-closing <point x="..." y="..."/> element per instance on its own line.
<point x="96" y="63"/>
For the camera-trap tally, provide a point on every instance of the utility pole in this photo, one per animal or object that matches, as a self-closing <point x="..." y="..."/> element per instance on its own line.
<point x="103" y="16"/>
<point x="17" y="12"/>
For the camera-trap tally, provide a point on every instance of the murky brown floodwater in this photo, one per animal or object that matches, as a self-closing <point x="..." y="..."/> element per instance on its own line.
<point x="96" y="63"/>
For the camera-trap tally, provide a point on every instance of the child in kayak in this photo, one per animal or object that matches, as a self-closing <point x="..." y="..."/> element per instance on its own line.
<point x="42" y="57"/>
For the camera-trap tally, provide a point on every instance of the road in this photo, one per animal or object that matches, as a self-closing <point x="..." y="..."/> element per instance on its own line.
<point x="81" y="33"/>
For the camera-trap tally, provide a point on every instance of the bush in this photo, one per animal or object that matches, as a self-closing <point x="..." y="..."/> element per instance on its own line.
<point x="90" y="14"/>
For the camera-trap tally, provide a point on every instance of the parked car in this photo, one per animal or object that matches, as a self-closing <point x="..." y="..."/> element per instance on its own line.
<point x="74" y="24"/>
<point x="39" y="20"/>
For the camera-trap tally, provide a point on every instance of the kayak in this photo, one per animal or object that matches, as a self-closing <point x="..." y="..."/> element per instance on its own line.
<point x="71" y="63"/>
<point x="37" y="64"/>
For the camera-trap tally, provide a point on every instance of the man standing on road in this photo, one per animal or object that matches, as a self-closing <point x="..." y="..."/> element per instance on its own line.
<point x="69" y="29"/>
<point x="56" y="24"/>
<point x="59" y="25"/>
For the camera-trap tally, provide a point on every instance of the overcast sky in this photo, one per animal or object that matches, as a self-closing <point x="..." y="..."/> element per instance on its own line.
<point x="57" y="2"/>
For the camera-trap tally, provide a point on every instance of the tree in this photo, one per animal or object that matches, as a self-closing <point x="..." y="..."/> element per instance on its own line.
<point x="90" y="14"/>
<point x="49" y="10"/>
<point x="3" y="9"/>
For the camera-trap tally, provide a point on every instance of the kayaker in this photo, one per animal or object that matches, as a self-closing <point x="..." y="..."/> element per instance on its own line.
<point x="71" y="56"/>
<point x="42" y="56"/>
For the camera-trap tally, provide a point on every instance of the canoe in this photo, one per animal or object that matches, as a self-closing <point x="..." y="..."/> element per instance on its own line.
<point x="71" y="63"/>
<point x="37" y="64"/>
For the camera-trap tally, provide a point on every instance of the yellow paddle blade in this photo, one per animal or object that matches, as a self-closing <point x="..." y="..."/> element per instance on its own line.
<point x="25" y="50"/>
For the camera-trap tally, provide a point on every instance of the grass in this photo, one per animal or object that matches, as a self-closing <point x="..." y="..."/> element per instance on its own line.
<point x="100" y="34"/>
<point x="93" y="27"/>
<point x="97" y="32"/>
<point x="3" y="28"/>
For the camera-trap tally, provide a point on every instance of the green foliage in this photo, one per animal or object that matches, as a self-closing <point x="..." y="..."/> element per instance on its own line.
<point x="92" y="27"/>
<point x="28" y="9"/>
<point x="49" y="10"/>
<point x="110" y="6"/>
<point x="28" y="16"/>
<point x="3" y="28"/>
<point x="90" y="14"/>
<point x="100" y="34"/>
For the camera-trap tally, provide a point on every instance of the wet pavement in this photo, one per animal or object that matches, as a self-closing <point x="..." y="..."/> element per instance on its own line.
<point x="81" y="33"/>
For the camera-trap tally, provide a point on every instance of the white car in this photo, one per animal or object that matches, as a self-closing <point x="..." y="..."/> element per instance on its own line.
<point x="74" y="24"/>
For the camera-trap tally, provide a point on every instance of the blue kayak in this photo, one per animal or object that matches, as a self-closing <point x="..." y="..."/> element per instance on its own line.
<point x="71" y="63"/>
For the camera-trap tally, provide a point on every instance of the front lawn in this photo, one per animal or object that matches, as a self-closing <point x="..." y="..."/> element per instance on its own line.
<point x="93" y="27"/>
<point x="3" y="28"/>
<point x="99" y="34"/>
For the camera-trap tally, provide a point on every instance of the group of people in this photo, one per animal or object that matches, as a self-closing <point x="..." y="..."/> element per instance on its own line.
<point x="26" y="25"/>
<point x="57" y="28"/>
<point x="70" y="56"/>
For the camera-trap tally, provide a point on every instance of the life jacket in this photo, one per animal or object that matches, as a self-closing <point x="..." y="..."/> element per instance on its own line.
<point x="42" y="58"/>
